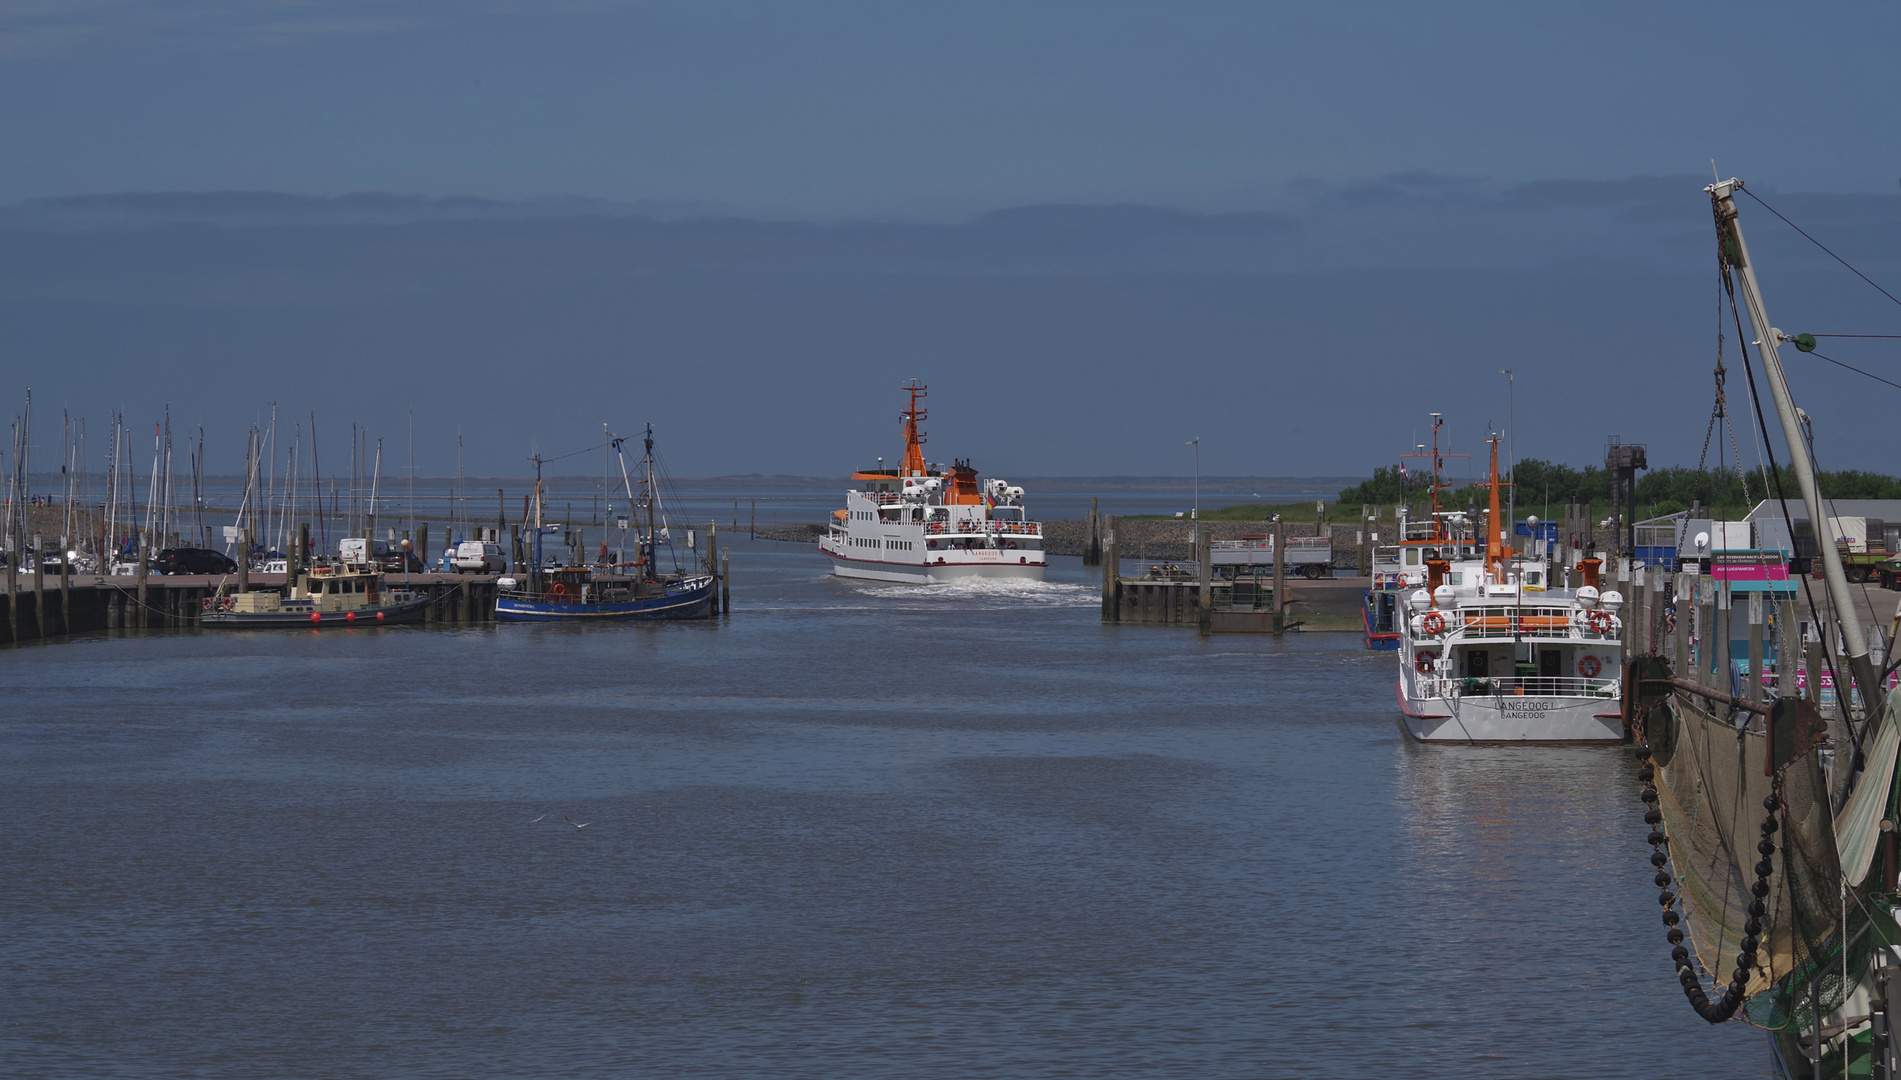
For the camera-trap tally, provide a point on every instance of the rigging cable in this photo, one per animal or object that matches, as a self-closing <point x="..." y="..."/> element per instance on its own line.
<point x="1824" y="247"/>
<point x="1775" y="474"/>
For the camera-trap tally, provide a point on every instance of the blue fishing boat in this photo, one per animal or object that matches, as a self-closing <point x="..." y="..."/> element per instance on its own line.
<point x="611" y="589"/>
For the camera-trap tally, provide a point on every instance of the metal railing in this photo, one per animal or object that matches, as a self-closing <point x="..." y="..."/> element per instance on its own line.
<point x="1553" y="623"/>
<point x="1518" y="686"/>
<point x="991" y="527"/>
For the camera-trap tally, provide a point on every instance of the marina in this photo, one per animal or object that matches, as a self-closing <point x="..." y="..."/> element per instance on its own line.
<point x="1043" y="853"/>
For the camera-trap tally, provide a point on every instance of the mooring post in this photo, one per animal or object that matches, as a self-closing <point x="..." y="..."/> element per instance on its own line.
<point x="1754" y="692"/>
<point x="1092" y="537"/>
<point x="1204" y="616"/>
<point x="1366" y="516"/>
<point x="13" y="592"/>
<point x="725" y="582"/>
<point x="39" y="583"/>
<point x="145" y="563"/>
<point x="244" y="560"/>
<point x="712" y="546"/>
<point x="1280" y="576"/>
<point x="65" y="593"/>
<point x="1111" y="600"/>
<point x="294" y="563"/>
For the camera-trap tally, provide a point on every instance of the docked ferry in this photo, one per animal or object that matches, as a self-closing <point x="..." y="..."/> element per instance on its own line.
<point x="926" y="523"/>
<point x="1491" y="649"/>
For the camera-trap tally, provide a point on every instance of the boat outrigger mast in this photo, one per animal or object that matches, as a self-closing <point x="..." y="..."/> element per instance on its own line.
<point x="1735" y="255"/>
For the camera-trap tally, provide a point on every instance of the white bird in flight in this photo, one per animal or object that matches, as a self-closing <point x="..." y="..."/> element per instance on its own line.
<point x="577" y="824"/>
<point x="537" y="819"/>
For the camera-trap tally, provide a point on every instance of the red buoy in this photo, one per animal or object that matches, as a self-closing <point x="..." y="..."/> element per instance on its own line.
<point x="316" y="617"/>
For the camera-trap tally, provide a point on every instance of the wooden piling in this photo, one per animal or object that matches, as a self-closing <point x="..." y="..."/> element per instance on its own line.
<point x="294" y="565"/>
<point x="1754" y="691"/>
<point x="145" y="564"/>
<point x="244" y="560"/>
<point x="1204" y="614"/>
<point x="39" y="584"/>
<point x="1092" y="544"/>
<point x="65" y="594"/>
<point x="1111" y="599"/>
<point x="1280" y="576"/>
<point x="725" y="582"/>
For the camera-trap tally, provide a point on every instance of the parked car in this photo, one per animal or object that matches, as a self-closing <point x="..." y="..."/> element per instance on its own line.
<point x="192" y="561"/>
<point x="479" y="557"/>
<point x="400" y="561"/>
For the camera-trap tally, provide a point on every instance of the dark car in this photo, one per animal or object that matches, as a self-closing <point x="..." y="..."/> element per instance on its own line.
<point x="192" y="561"/>
<point x="399" y="562"/>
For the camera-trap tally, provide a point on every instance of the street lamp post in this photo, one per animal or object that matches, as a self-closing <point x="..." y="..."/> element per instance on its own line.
<point x="1196" y="443"/>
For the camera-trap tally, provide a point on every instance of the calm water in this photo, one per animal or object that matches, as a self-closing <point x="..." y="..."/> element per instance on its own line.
<point x="857" y="831"/>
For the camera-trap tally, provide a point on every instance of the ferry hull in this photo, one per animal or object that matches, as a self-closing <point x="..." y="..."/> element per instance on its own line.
<point x="693" y="602"/>
<point x="935" y="573"/>
<point x="1497" y="718"/>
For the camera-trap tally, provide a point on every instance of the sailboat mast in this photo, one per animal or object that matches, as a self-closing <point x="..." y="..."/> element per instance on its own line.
<point x="1735" y="253"/>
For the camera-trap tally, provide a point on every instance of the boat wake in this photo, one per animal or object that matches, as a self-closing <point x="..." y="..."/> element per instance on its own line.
<point x="1001" y="593"/>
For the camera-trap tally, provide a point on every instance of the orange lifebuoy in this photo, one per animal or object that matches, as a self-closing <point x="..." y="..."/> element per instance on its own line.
<point x="1601" y="622"/>
<point x="1589" y="666"/>
<point x="1422" y="662"/>
<point x="1434" y="623"/>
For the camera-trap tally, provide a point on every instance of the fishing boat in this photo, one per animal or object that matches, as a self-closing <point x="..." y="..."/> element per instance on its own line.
<point x="1771" y="808"/>
<point x="927" y="523"/>
<point x="340" y="595"/>
<point x="1492" y="650"/>
<point x="610" y="589"/>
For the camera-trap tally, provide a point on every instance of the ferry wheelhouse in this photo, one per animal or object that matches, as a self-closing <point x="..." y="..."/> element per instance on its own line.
<point x="925" y="523"/>
<point x="1492" y="650"/>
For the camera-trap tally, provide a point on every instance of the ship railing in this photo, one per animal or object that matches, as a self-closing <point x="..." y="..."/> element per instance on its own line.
<point x="1550" y="623"/>
<point x="1447" y="686"/>
<point x="882" y="498"/>
<point x="1256" y="543"/>
<point x="991" y="527"/>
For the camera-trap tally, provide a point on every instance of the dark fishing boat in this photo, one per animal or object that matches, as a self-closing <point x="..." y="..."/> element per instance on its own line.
<point x="608" y="590"/>
<point x="1771" y="808"/>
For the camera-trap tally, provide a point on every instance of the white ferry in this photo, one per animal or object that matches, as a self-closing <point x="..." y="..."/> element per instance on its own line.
<point x="925" y="523"/>
<point x="1494" y="651"/>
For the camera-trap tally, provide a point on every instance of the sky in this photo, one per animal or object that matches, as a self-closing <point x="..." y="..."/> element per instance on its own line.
<point x="1097" y="230"/>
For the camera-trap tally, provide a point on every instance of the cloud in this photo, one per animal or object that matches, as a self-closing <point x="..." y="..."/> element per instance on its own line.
<point x="39" y="28"/>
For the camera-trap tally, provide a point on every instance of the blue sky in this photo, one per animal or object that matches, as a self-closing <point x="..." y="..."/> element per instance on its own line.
<point x="1097" y="230"/>
<point x="908" y="110"/>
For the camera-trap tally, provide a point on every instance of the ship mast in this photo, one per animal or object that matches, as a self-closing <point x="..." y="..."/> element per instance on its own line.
<point x="913" y="435"/>
<point x="1735" y="254"/>
<point x="1494" y="527"/>
<point x="653" y="539"/>
<point x="1437" y="532"/>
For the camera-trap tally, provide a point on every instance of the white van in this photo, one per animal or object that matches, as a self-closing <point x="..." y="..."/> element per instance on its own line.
<point x="479" y="557"/>
<point x="356" y="549"/>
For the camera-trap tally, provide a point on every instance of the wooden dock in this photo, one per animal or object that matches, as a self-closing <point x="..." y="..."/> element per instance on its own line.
<point x="39" y="607"/>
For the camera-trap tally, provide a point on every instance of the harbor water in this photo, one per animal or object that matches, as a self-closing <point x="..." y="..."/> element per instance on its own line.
<point x="852" y="831"/>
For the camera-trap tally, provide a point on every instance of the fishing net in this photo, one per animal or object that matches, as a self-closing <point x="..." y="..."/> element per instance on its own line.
<point x="1711" y="789"/>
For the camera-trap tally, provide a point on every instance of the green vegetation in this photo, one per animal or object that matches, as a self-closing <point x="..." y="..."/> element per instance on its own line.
<point x="1547" y="487"/>
<point x="1544" y="488"/>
